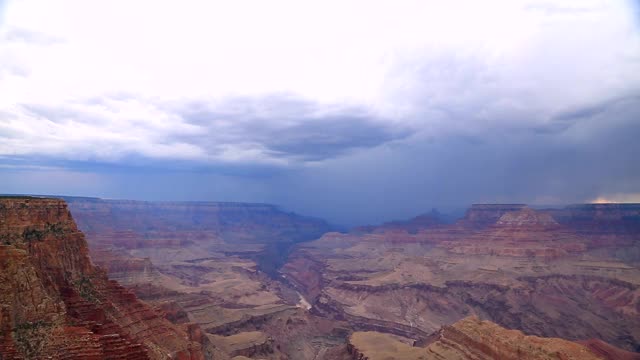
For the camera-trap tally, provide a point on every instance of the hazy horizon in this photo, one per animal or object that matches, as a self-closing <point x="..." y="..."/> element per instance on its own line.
<point x="448" y="213"/>
<point x="355" y="112"/>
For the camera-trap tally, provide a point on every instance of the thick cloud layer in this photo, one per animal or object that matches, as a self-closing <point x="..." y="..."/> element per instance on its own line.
<point x="281" y="131"/>
<point x="356" y="112"/>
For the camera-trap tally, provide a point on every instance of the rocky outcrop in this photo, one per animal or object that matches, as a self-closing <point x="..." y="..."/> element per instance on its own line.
<point x="472" y="338"/>
<point x="481" y="215"/>
<point x="604" y="225"/>
<point x="522" y="233"/>
<point x="527" y="218"/>
<point x="249" y="344"/>
<point x="607" y="351"/>
<point x="469" y="339"/>
<point x="55" y="303"/>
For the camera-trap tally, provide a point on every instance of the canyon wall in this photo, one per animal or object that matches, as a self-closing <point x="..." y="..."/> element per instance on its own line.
<point x="212" y="263"/>
<point x="473" y="339"/>
<point x="54" y="303"/>
<point x="570" y="273"/>
<point x="190" y="221"/>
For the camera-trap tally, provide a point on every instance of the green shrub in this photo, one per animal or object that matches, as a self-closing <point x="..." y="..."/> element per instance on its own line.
<point x="85" y="288"/>
<point x="30" y="337"/>
<point x="31" y="234"/>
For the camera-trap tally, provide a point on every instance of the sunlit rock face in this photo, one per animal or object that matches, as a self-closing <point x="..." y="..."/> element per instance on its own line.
<point x="54" y="303"/>
<point x="471" y="338"/>
<point x="526" y="218"/>
<point x="538" y="271"/>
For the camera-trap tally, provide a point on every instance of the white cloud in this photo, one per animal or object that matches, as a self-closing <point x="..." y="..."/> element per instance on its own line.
<point x="434" y="66"/>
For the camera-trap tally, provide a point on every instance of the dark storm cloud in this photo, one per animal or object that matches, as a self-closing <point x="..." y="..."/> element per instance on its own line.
<point x="332" y="137"/>
<point x="594" y="155"/>
<point x="291" y="128"/>
<point x="250" y="132"/>
<point x="582" y="115"/>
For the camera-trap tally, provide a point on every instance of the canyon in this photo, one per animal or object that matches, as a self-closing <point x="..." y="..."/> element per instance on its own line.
<point x="569" y="273"/>
<point x="214" y="264"/>
<point x="195" y="280"/>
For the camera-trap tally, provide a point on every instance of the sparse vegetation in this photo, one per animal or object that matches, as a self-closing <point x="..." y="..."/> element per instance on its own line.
<point x="30" y="337"/>
<point x="85" y="288"/>
<point x="56" y="229"/>
<point x="7" y="239"/>
<point x="32" y="234"/>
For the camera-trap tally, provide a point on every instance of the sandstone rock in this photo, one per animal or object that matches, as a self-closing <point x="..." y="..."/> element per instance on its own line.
<point x="53" y="301"/>
<point x="468" y="339"/>
<point x="607" y="351"/>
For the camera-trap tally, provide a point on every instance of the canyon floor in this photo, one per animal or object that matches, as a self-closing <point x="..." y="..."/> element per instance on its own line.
<point x="232" y="280"/>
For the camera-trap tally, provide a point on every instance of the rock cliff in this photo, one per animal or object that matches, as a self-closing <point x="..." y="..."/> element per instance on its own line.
<point x="469" y="339"/>
<point x="55" y="303"/>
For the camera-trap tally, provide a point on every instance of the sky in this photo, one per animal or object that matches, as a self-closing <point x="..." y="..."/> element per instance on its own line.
<point x="354" y="111"/>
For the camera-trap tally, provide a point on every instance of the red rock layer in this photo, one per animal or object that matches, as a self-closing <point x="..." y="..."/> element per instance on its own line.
<point x="522" y="233"/>
<point x="608" y="351"/>
<point x="473" y="339"/>
<point x="54" y="303"/>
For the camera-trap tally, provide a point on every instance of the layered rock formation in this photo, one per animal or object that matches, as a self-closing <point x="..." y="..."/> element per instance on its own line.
<point x="55" y="304"/>
<point x="471" y="339"/>
<point x="605" y="225"/>
<point x="525" y="269"/>
<point x="480" y="215"/>
<point x="536" y="271"/>
<point x="209" y="262"/>
<point x="132" y="224"/>
<point x="168" y="231"/>
<point x="606" y="351"/>
<point x="522" y="233"/>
